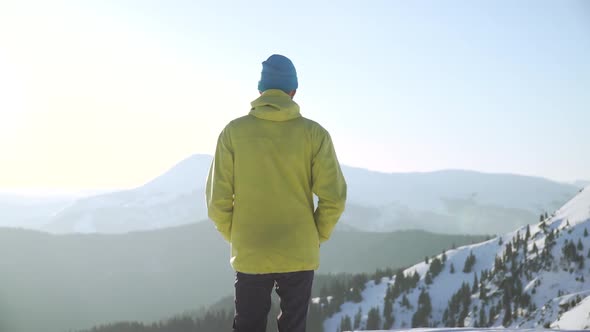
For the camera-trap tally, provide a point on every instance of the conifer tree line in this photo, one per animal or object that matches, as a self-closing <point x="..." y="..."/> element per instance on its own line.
<point x="500" y="290"/>
<point x="333" y="291"/>
<point x="492" y="297"/>
<point x="211" y="321"/>
<point x="511" y="268"/>
<point x="518" y="264"/>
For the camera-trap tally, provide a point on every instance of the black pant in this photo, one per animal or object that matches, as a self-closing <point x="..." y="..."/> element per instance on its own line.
<point x="252" y="300"/>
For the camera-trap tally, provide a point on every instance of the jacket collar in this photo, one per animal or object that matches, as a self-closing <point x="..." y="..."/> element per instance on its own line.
<point x="275" y="105"/>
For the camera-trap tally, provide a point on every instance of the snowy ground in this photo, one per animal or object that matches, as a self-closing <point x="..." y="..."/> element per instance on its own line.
<point x="472" y="329"/>
<point x="576" y="318"/>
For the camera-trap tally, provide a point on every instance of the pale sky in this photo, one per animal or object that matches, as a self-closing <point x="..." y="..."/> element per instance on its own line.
<point x="109" y="94"/>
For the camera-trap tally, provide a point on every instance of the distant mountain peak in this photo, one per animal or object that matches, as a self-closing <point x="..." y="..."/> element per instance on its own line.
<point x="183" y="177"/>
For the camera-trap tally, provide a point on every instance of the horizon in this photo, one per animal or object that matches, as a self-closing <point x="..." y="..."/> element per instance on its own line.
<point x="87" y="192"/>
<point x="108" y="95"/>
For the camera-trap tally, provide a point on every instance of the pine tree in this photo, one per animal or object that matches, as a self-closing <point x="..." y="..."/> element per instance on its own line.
<point x="314" y="318"/>
<point x="500" y="241"/>
<point x="527" y="236"/>
<point x="549" y="238"/>
<point x="482" y="317"/>
<point x="483" y="293"/>
<point x="508" y="252"/>
<point x="507" y="313"/>
<point x="469" y="262"/>
<point x="428" y="278"/>
<point x="355" y="295"/>
<point x="373" y="319"/>
<point x="498" y="264"/>
<point x="415" y="278"/>
<point x="580" y="246"/>
<point x="452" y="268"/>
<point x="436" y="267"/>
<point x="585" y="232"/>
<point x="420" y="317"/>
<point x="388" y="314"/>
<point x="444" y="256"/>
<point x="405" y="301"/>
<point x="535" y="249"/>
<point x="569" y="251"/>
<point x="426" y="260"/>
<point x="357" y="319"/>
<point x="475" y="287"/>
<point x="345" y="324"/>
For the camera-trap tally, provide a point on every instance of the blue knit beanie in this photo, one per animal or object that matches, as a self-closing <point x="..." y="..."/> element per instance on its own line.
<point x="278" y="72"/>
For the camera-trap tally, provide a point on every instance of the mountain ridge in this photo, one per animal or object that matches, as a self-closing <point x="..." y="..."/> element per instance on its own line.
<point x="443" y="201"/>
<point x="536" y="271"/>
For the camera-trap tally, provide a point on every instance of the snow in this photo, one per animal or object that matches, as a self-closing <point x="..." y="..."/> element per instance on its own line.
<point x="577" y="210"/>
<point x="548" y="288"/>
<point x="372" y="299"/>
<point x="576" y="318"/>
<point x="473" y="330"/>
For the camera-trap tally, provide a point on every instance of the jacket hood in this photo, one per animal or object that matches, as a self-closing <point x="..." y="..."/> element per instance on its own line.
<point x="275" y="105"/>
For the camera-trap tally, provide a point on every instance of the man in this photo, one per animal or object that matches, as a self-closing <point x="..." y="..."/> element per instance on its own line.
<point x="266" y="168"/>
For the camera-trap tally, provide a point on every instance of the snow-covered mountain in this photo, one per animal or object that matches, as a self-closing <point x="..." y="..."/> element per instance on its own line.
<point x="452" y="201"/>
<point x="174" y="198"/>
<point x="444" y="202"/>
<point x="533" y="277"/>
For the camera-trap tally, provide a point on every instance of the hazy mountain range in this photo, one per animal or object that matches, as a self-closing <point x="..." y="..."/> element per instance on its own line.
<point x="445" y="201"/>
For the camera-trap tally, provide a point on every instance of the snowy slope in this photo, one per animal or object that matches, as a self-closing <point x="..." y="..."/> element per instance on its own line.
<point x="544" y="287"/>
<point x="473" y="330"/>
<point x="577" y="318"/>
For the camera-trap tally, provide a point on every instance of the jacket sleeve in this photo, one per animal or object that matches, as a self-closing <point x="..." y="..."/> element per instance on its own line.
<point x="329" y="185"/>
<point x="220" y="186"/>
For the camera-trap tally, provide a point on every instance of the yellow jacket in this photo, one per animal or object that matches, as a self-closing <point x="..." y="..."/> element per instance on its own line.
<point x="259" y="190"/>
